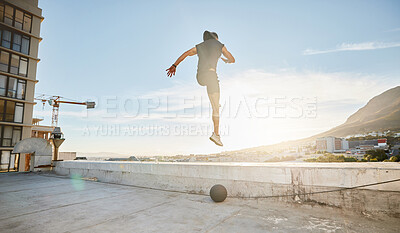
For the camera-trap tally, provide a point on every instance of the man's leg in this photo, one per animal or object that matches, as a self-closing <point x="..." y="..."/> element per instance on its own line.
<point x="214" y="99"/>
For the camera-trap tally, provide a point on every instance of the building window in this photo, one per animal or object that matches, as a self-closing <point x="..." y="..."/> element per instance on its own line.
<point x="11" y="111"/>
<point x="11" y="135"/>
<point x="25" y="45"/>
<point x="21" y="89"/>
<point x="14" y="41"/>
<point x="6" y="39"/>
<point x="17" y="41"/>
<point x="12" y="87"/>
<point x="9" y="15"/>
<point x="14" y="68"/>
<point x="13" y="64"/>
<point x="4" y="61"/>
<point x="19" y="19"/>
<point x="1" y="12"/>
<point x="23" y="66"/>
<point x="17" y="132"/>
<point x="27" y="23"/>
<point x="19" y="112"/>
<point x="15" y="17"/>
<point x="2" y="105"/>
<point x="9" y="161"/>
<point x="3" y="84"/>
<point x="7" y="135"/>
<point x="16" y="88"/>
<point x="5" y="160"/>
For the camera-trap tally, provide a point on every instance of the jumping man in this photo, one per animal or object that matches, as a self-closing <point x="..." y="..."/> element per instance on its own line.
<point x="209" y="51"/>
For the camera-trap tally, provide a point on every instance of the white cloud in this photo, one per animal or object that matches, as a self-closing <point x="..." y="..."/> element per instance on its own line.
<point x="354" y="47"/>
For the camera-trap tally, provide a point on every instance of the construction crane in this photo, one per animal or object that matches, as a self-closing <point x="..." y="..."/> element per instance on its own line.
<point x="55" y="102"/>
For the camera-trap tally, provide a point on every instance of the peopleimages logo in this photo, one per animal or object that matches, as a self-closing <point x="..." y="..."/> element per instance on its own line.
<point x="152" y="130"/>
<point x="187" y="115"/>
<point x="199" y="107"/>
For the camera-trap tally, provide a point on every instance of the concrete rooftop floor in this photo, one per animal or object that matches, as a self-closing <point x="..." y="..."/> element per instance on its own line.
<point x="44" y="202"/>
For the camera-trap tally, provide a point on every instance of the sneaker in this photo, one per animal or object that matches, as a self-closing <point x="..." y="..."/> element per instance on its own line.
<point x="216" y="139"/>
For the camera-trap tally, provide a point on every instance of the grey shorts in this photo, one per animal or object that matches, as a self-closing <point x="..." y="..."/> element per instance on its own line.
<point x="209" y="79"/>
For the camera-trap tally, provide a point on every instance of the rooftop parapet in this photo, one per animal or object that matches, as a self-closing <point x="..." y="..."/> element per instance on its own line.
<point x="360" y="187"/>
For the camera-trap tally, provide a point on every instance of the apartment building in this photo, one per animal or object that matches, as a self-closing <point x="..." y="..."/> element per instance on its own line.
<point x="332" y="144"/>
<point x="20" y="22"/>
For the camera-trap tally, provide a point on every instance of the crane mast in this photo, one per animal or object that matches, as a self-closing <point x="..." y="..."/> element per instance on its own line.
<point x="54" y="116"/>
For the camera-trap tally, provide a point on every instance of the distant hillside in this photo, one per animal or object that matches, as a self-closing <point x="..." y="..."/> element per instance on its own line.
<point x="380" y="113"/>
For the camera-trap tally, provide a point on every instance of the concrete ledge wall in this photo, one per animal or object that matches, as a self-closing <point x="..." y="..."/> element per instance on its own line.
<point x="259" y="180"/>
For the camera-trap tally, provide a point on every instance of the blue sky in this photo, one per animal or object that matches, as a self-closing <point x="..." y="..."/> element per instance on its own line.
<point x="341" y="53"/>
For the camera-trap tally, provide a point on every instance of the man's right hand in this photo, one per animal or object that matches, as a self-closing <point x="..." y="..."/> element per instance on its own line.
<point x="171" y="71"/>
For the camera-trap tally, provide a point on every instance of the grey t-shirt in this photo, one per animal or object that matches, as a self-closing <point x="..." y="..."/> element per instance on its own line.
<point x="208" y="52"/>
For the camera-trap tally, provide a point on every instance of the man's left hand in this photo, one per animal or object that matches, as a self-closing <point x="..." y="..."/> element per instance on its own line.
<point x="171" y="71"/>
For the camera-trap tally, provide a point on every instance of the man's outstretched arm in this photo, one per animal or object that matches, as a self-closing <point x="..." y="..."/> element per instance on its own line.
<point x="171" y="70"/>
<point x="229" y="58"/>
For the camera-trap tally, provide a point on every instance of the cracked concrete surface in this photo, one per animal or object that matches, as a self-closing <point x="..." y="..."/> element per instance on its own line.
<point x="34" y="202"/>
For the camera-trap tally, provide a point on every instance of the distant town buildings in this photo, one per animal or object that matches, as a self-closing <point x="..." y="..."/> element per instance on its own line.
<point x="332" y="144"/>
<point x="356" y="147"/>
<point x="131" y="158"/>
<point x="375" y="134"/>
<point x="67" y="156"/>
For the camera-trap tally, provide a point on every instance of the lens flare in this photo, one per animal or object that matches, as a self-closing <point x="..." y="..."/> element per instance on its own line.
<point x="77" y="182"/>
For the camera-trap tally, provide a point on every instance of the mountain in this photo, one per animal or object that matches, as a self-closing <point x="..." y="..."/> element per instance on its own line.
<point x="381" y="113"/>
